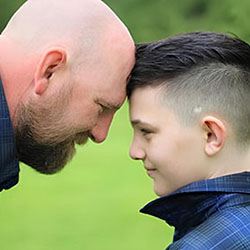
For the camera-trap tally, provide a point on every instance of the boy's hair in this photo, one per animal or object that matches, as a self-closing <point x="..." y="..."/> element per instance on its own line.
<point x="200" y="73"/>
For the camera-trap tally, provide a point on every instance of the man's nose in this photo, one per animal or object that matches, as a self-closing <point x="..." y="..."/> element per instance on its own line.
<point x="100" y="131"/>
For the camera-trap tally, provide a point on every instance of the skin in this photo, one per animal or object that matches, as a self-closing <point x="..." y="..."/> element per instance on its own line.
<point x="175" y="155"/>
<point x="64" y="68"/>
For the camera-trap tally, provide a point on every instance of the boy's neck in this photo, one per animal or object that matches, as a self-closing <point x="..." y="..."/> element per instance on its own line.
<point x="231" y="163"/>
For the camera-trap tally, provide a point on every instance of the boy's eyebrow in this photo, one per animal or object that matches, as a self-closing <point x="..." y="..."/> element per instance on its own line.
<point x="135" y="122"/>
<point x="140" y="122"/>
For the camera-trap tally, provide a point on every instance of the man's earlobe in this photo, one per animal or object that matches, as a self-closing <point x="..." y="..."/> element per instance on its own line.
<point x="215" y="134"/>
<point x="51" y="61"/>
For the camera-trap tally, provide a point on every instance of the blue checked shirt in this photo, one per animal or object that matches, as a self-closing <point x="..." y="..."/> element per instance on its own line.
<point x="210" y="214"/>
<point x="9" y="167"/>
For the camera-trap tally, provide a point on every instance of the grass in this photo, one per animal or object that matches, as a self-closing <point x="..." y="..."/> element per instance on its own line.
<point x="92" y="204"/>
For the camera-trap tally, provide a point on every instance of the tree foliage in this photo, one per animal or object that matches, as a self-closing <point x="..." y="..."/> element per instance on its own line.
<point x="7" y="9"/>
<point x="152" y="20"/>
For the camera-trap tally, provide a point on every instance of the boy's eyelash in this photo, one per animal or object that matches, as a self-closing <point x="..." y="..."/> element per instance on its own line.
<point x="145" y="131"/>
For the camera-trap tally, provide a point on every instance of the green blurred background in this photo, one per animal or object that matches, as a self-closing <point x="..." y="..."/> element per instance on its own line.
<point x="93" y="203"/>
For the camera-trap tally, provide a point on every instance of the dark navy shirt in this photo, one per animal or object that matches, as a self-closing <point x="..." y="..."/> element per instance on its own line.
<point x="9" y="167"/>
<point x="210" y="214"/>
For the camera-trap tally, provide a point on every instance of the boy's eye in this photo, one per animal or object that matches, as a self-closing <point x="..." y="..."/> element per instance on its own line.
<point x="145" y="131"/>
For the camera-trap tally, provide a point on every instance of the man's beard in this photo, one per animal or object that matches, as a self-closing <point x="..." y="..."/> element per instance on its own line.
<point x="45" y="158"/>
<point x="45" y="148"/>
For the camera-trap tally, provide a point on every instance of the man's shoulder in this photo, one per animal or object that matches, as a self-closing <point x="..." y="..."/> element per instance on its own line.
<point x="226" y="229"/>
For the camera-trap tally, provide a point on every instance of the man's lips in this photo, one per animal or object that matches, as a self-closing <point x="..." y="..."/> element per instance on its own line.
<point x="81" y="138"/>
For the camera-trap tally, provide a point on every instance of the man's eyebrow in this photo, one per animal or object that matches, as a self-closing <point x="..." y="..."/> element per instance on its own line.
<point x="114" y="106"/>
<point x="108" y="105"/>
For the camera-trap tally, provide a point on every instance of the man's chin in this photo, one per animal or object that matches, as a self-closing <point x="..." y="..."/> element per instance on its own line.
<point x="47" y="159"/>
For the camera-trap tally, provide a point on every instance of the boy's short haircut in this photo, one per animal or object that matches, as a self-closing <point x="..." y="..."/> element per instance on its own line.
<point x="200" y="73"/>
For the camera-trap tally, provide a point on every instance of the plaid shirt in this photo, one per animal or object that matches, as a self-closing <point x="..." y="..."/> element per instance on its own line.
<point x="9" y="167"/>
<point x="210" y="214"/>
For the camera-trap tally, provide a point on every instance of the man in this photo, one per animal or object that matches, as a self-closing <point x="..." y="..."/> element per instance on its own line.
<point x="64" y="67"/>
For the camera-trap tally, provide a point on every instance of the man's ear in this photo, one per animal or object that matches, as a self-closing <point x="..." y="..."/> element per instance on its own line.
<point x="215" y="134"/>
<point x="49" y="63"/>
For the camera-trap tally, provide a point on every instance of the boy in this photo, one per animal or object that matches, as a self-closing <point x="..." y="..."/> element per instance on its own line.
<point x="190" y="110"/>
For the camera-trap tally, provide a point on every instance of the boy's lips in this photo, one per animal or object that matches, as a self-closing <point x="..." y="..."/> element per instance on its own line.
<point x="150" y="171"/>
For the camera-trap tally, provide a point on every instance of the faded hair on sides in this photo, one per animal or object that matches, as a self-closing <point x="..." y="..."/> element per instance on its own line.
<point x="200" y="73"/>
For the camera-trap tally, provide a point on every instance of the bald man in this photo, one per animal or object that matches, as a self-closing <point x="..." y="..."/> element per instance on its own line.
<point x="63" y="69"/>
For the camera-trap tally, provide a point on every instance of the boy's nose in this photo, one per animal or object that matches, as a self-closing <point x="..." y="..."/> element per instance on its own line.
<point x="136" y="152"/>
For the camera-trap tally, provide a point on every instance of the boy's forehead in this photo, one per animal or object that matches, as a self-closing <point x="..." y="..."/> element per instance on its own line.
<point x="146" y="105"/>
<point x="142" y="98"/>
<point x="142" y="94"/>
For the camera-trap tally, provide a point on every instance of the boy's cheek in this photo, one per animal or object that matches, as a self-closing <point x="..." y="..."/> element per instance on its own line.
<point x="163" y="186"/>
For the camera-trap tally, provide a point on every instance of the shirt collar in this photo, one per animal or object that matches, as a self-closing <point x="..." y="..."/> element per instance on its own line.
<point x="192" y="204"/>
<point x="9" y="166"/>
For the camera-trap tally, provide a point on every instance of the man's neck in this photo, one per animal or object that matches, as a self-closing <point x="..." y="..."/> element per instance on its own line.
<point x="16" y="73"/>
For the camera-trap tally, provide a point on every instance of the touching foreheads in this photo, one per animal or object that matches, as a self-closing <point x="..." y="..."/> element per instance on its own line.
<point x="200" y="73"/>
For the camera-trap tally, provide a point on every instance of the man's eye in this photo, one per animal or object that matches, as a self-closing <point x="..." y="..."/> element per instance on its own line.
<point x="103" y="109"/>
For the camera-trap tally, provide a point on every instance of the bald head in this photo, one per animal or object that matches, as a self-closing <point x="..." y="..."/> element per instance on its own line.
<point x="87" y="31"/>
<point x="41" y="23"/>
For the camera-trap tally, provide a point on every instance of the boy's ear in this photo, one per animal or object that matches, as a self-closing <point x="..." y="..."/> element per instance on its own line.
<point x="50" y="62"/>
<point x="215" y="134"/>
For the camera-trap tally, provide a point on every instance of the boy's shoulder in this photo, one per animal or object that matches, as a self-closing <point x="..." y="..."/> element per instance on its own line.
<point x="226" y="229"/>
